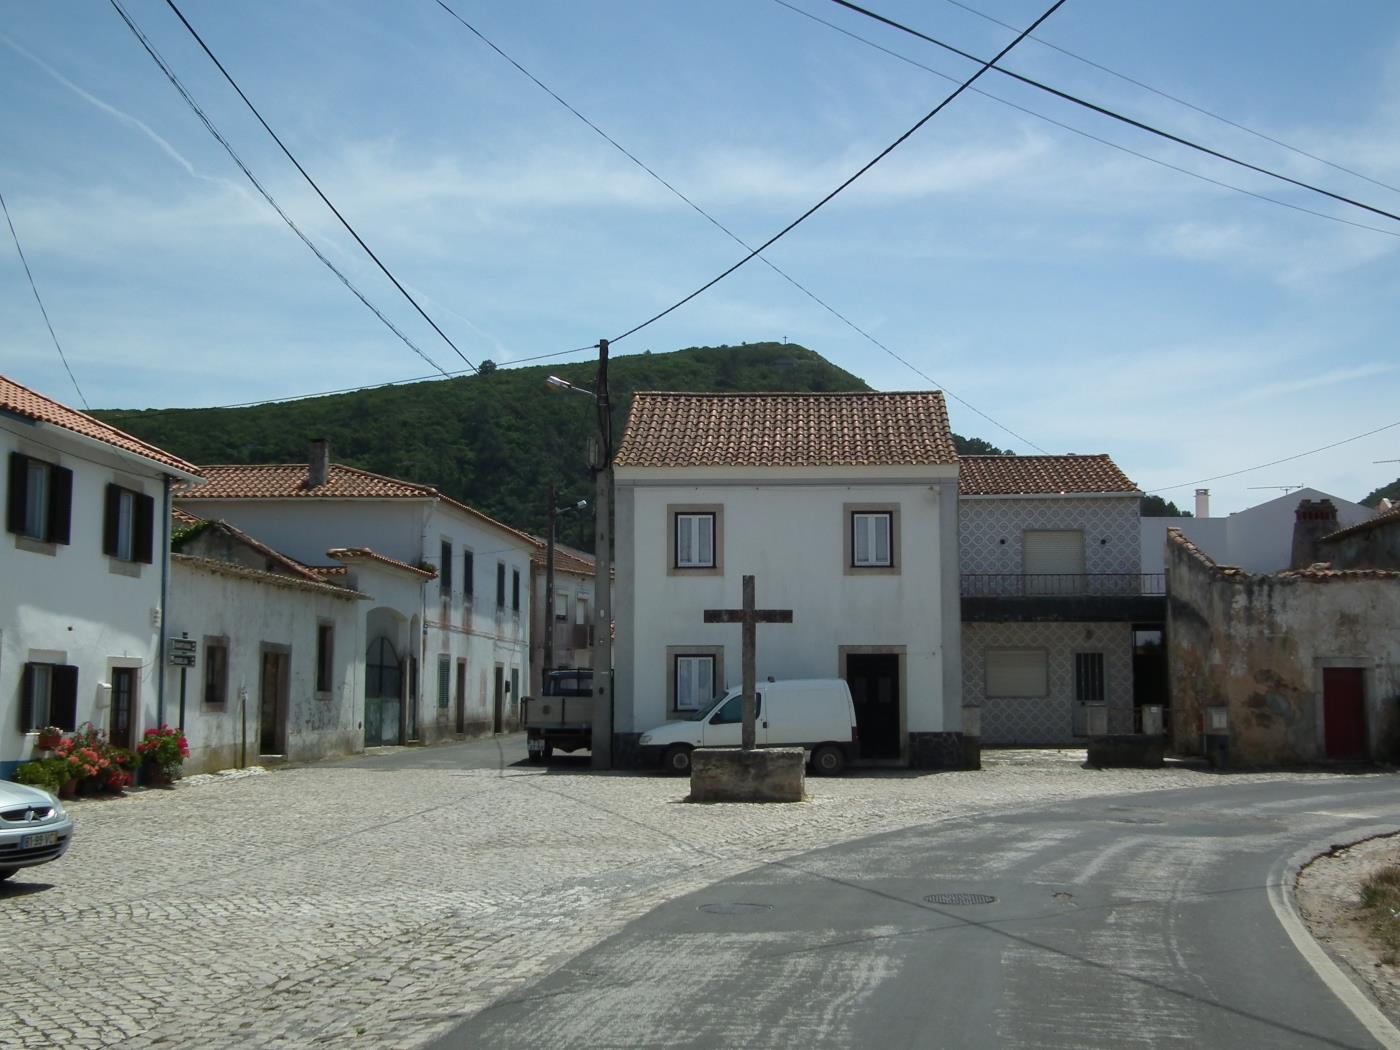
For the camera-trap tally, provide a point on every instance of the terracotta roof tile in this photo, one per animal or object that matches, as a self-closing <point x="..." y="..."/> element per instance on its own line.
<point x="1378" y="521"/>
<point x="225" y="568"/>
<point x="182" y="519"/>
<point x="27" y="404"/>
<point x="787" y="430"/>
<point x="566" y="559"/>
<point x="1040" y="475"/>
<point x="234" y="481"/>
<point x="353" y="553"/>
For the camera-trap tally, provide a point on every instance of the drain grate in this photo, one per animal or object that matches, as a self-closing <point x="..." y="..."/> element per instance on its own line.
<point x="960" y="898"/>
<point x="735" y="908"/>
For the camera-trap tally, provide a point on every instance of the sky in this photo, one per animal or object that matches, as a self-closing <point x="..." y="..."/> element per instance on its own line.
<point x="1069" y="295"/>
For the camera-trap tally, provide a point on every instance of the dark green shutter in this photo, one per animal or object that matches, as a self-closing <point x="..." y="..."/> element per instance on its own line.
<point x="26" y="699"/>
<point x="60" y="504"/>
<point x="17" y="496"/>
<point x="143" y="541"/>
<point x="111" y="519"/>
<point x="63" y="701"/>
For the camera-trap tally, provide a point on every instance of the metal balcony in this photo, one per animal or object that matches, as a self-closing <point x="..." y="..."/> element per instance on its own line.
<point x="991" y="597"/>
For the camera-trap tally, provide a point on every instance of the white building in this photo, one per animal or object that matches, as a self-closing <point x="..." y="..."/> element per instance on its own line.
<point x="82" y="574"/>
<point x="1258" y="539"/>
<point x="571" y="622"/>
<point x="446" y="633"/>
<point x="845" y="509"/>
<point x="278" y="653"/>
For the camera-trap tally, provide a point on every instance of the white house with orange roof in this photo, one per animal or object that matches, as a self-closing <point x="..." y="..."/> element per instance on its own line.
<point x="1062" y="634"/>
<point x="845" y="509"/>
<point x="83" y="574"/>
<point x="446" y="634"/>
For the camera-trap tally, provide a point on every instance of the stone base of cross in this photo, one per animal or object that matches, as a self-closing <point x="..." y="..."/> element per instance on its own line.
<point x="749" y="617"/>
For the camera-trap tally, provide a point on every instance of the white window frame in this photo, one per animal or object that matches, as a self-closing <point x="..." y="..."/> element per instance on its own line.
<point x="688" y="688"/>
<point x="865" y="532"/>
<point x="691" y="539"/>
<point x="38" y="483"/>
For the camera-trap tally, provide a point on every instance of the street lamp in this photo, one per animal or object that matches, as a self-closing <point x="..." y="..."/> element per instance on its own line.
<point x="601" y="743"/>
<point x="549" y="621"/>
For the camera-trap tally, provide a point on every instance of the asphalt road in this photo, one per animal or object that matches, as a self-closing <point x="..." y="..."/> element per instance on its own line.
<point x="1139" y="921"/>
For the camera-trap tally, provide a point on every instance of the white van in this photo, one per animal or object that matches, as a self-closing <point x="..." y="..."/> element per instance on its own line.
<point x="815" y="713"/>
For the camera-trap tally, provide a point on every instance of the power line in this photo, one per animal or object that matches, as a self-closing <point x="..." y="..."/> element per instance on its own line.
<point x="1130" y="121"/>
<point x="35" y="288"/>
<point x="334" y="210"/>
<point x="266" y="195"/>
<point x="1276" y="462"/>
<point x="861" y="171"/>
<point x="147" y="413"/>
<point x="1086" y="134"/>
<point x="730" y="233"/>
<point x="1181" y="101"/>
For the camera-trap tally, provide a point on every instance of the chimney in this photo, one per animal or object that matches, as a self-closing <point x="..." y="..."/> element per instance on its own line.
<point x="1203" y="503"/>
<point x="1312" y="520"/>
<point x="318" y="467"/>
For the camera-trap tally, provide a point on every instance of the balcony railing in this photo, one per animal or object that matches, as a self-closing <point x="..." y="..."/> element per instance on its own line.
<point x="1062" y="584"/>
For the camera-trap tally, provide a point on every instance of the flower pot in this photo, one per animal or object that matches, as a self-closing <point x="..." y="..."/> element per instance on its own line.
<point x="68" y="790"/>
<point x="153" y="774"/>
<point x="48" y="741"/>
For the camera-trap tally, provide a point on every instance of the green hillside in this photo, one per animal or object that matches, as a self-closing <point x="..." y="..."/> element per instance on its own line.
<point x="495" y="441"/>
<point x="1390" y="492"/>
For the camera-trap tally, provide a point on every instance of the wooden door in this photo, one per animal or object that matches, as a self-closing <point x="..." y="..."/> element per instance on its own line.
<point x="874" y="682"/>
<point x="271" y="702"/>
<point x="461" y="696"/>
<point x="123" y="706"/>
<point x="1344" y="713"/>
<point x="498" y="714"/>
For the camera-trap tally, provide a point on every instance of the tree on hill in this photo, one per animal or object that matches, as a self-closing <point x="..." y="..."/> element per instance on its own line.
<point x="1390" y="492"/>
<point x="1157" y="507"/>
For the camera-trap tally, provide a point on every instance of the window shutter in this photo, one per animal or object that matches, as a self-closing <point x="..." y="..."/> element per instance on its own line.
<point x="1016" y="673"/>
<point x="60" y="504"/>
<point x="144" y="539"/>
<point x="468" y="573"/>
<point x="26" y="696"/>
<point x="1060" y="552"/>
<point x="63" y="702"/>
<point x="18" y="491"/>
<point x="111" y="518"/>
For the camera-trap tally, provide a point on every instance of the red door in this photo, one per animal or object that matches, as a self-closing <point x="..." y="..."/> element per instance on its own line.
<point x="1343" y="713"/>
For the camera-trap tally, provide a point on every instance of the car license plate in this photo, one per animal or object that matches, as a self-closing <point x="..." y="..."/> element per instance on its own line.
<point x="46" y="838"/>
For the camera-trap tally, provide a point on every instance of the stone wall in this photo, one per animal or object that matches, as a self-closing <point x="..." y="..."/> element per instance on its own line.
<point x="1257" y="645"/>
<point x="1374" y="546"/>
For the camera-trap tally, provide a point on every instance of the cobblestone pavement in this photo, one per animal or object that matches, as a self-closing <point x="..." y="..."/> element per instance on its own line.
<point x="364" y="905"/>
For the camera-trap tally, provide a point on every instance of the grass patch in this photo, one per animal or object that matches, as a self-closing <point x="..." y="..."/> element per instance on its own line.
<point x="1380" y="908"/>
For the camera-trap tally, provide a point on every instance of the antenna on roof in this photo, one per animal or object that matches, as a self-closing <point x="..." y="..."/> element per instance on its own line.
<point x="1385" y="461"/>
<point x="1286" y="489"/>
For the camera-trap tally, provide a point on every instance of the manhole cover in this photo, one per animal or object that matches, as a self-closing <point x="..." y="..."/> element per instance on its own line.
<point x="735" y="908"/>
<point x="960" y="898"/>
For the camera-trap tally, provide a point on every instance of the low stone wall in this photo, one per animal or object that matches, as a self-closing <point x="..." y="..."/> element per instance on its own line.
<point x="1127" y="751"/>
<point x="728" y="774"/>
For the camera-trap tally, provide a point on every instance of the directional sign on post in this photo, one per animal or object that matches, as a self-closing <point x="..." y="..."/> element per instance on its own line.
<point x="181" y="652"/>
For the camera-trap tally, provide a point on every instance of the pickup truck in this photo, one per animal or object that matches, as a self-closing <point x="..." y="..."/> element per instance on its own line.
<point x="562" y="717"/>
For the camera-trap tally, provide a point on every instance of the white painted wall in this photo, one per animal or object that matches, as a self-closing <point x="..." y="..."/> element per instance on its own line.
<point x="305" y="528"/>
<point x="249" y="614"/>
<point x="69" y="605"/>
<point x="789" y="536"/>
<point x="1258" y="539"/>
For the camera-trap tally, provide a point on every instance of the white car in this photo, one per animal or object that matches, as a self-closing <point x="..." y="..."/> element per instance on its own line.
<point x="34" y="828"/>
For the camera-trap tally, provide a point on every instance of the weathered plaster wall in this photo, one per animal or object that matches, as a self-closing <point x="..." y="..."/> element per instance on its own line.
<point x="1053" y="718"/>
<point x="1373" y="548"/>
<point x="1257" y="645"/>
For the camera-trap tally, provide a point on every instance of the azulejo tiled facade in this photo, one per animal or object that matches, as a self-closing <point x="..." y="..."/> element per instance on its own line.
<point x="991" y="530"/>
<point x="1054" y="719"/>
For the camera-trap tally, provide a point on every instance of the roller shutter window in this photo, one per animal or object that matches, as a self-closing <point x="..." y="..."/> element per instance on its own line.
<point x="1054" y="561"/>
<point x="1016" y="673"/>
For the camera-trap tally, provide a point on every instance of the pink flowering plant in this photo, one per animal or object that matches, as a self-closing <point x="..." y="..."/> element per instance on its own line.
<point x="165" y="748"/>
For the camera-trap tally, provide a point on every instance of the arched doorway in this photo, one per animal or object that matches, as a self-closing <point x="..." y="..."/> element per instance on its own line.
<point x="383" y="692"/>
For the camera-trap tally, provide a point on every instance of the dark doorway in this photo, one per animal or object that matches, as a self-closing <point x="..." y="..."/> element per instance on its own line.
<point x="123" y="706"/>
<point x="1344" y="713"/>
<point x="383" y="686"/>
<point x="1149" y="666"/>
<point x="272" y="703"/>
<point x="874" y="682"/>
<point x="461" y="697"/>
<point x="498" y="713"/>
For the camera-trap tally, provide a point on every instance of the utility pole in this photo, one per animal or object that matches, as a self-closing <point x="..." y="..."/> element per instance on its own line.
<point x="549" y="596"/>
<point x="602" y="554"/>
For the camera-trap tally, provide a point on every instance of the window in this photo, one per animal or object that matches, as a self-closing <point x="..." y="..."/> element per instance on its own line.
<point x="444" y="680"/>
<point x="732" y="713"/>
<point x="581" y="610"/>
<point x="39" y="501"/>
<point x="500" y="585"/>
<point x="445" y="572"/>
<point x="48" y="697"/>
<point x="1053" y="561"/>
<point x="468" y="576"/>
<point x="216" y="672"/>
<point x="514" y="686"/>
<point x="1088" y="678"/>
<point x="871" y="539"/>
<point x="128" y="526"/>
<point x="325" y="657"/>
<point x="515" y="590"/>
<point x="695" y="541"/>
<point x="1016" y="673"/>
<point x="561" y="607"/>
<point x="694" y="681"/>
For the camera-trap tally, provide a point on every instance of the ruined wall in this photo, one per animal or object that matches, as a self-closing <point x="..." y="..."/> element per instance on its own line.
<point x="1377" y="547"/>
<point x="1257" y="645"/>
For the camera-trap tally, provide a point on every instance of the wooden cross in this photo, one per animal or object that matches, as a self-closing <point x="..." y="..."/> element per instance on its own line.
<point x="750" y="618"/>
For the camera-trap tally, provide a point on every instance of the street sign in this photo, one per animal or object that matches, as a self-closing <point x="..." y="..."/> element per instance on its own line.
<point x="181" y="652"/>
